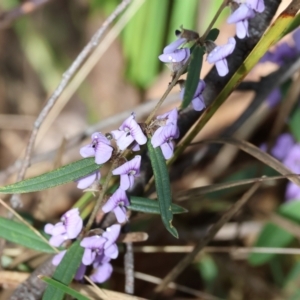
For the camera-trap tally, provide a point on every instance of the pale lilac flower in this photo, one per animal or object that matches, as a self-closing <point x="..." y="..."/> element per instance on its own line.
<point x="117" y="203"/>
<point x="292" y="159"/>
<point x="129" y="132"/>
<point x="240" y="17"/>
<point x="87" y="181"/>
<point x="283" y="146"/>
<point x="100" y="148"/>
<point x="292" y="192"/>
<point x="69" y="228"/>
<point x="218" y="56"/>
<point x="198" y="100"/>
<point x="99" y="249"/>
<point x="171" y="53"/>
<point x="163" y="137"/>
<point x="128" y="172"/>
<point x="170" y="117"/>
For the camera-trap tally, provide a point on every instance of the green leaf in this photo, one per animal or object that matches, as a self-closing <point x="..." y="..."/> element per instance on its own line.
<point x="68" y="173"/>
<point x="163" y="188"/>
<point x="150" y="206"/>
<point x="22" y="235"/>
<point x="273" y="236"/>
<point x="65" y="271"/>
<point x="213" y="34"/>
<point x="294" y="123"/>
<point x="193" y="75"/>
<point x="65" y="289"/>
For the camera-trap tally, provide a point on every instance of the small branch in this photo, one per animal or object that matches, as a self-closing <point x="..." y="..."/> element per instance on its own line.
<point x="67" y="76"/>
<point x="188" y="259"/>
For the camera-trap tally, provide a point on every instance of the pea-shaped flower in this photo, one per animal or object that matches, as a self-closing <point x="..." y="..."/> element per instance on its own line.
<point x="100" y="148"/>
<point x="117" y="203"/>
<point x="218" y="56"/>
<point x="198" y="100"/>
<point x="129" y="132"/>
<point x="69" y="228"/>
<point x="128" y="172"/>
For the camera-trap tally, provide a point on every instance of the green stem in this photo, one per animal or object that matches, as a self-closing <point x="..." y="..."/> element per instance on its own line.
<point x="101" y="197"/>
<point x="222" y="6"/>
<point x="166" y="93"/>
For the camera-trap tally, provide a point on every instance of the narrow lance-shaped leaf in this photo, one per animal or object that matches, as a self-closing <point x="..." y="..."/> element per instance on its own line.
<point x="65" y="271"/>
<point x="22" y="235"/>
<point x="65" y="289"/>
<point x="163" y="188"/>
<point x="193" y="75"/>
<point x="150" y="206"/>
<point x="65" y="174"/>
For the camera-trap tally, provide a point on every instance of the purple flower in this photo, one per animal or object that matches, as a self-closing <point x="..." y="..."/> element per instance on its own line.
<point x="116" y="203"/>
<point x="169" y="117"/>
<point x="240" y="17"/>
<point x="171" y="53"/>
<point x="198" y="100"/>
<point x="218" y="56"/>
<point x="129" y="132"/>
<point x="69" y="228"/>
<point x="85" y="182"/>
<point x="100" y="148"/>
<point x="163" y="137"/>
<point x="99" y="249"/>
<point x="128" y="172"/>
<point x="283" y="146"/>
<point x="292" y="192"/>
<point x="292" y="159"/>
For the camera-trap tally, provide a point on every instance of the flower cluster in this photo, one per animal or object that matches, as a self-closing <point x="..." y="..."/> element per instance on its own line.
<point x="98" y="249"/>
<point x="287" y="151"/>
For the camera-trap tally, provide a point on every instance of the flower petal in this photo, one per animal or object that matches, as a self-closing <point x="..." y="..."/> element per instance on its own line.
<point x="120" y="213"/>
<point x="167" y="149"/>
<point x="102" y="273"/>
<point x="174" y="45"/>
<point x="88" y="257"/>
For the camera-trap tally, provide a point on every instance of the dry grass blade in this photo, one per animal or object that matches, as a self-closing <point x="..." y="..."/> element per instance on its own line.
<point x="202" y="190"/>
<point x="173" y="274"/>
<point x="258" y="154"/>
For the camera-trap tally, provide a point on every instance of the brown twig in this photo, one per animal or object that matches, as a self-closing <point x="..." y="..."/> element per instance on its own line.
<point x="188" y="259"/>
<point x="67" y="76"/>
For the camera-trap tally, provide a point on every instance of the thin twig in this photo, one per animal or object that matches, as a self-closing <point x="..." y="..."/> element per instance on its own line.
<point x="212" y="231"/>
<point x="67" y="76"/>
